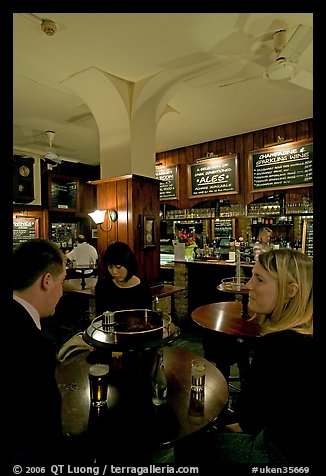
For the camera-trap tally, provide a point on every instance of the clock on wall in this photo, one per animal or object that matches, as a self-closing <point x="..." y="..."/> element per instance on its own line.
<point x="147" y="227"/>
<point x="24" y="170"/>
<point x="23" y="179"/>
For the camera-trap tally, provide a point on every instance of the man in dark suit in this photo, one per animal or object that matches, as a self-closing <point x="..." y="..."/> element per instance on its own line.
<point x="35" y="402"/>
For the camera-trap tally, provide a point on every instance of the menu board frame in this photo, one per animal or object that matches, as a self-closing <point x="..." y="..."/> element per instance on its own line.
<point x="71" y="204"/>
<point x="307" y="224"/>
<point x="174" y="183"/>
<point x="23" y="236"/>
<point x="278" y="158"/>
<point x="222" y="165"/>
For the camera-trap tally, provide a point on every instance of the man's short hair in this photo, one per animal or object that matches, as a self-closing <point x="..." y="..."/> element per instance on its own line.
<point x="81" y="238"/>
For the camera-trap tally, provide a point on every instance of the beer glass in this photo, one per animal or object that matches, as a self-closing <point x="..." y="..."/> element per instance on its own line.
<point x="98" y="384"/>
<point x="198" y="375"/>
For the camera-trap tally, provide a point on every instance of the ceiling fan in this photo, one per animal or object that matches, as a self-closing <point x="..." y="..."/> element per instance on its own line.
<point x="287" y="53"/>
<point x="51" y="156"/>
<point x="284" y="66"/>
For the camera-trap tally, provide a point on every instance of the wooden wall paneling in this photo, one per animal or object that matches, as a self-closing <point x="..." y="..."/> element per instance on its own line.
<point x="240" y="150"/>
<point x="131" y="196"/>
<point x="230" y="145"/>
<point x="290" y="132"/>
<point x="102" y="235"/>
<point x="204" y="149"/>
<point x="302" y="130"/>
<point x="146" y="202"/>
<point x="279" y="131"/>
<point x="211" y="147"/>
<point x="183" y="200"/>
<point x="269" y="136"/>
<point x="242" y="145"/>
<point x="258" y="139"/>
<point x="124" y="201"/>
<point x="221" y="147"/>
<point x="193" y="152"/>
<point x="87" y="198"/>
<point x="248" y="145"/>
<point x="45" y="224"/>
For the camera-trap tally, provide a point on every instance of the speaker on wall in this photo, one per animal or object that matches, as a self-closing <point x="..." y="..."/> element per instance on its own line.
<point x="23" y="179"/>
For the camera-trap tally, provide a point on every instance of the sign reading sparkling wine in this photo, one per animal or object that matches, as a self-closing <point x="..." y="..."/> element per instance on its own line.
<point x="214" y="176"/>
<point x="282" y="166"/>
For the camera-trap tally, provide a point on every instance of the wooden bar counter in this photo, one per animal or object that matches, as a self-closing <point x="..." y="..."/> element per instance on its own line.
<point x="205" y="275"/>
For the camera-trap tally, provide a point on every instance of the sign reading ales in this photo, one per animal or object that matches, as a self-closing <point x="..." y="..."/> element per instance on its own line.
<point x="213" y="176"/>
<point x="281" y="166"/>
<point x="168" y="177"/>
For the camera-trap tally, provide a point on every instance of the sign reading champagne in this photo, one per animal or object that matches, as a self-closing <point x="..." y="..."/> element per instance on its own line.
<point x="281" y="166"/>
<point x="214" y="176"/>
<point x="168" y="177"/>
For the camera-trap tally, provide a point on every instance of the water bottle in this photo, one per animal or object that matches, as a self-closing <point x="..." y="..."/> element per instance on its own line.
<point x="159" y="381"/>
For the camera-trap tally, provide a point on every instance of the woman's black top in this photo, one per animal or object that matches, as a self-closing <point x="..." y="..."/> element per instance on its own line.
<point x="279" y="393"/>
<point x="110" y="297"/>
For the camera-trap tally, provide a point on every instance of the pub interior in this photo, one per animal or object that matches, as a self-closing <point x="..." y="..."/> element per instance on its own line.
<point x="192" y="226"/>
<point x="182" y="286"/>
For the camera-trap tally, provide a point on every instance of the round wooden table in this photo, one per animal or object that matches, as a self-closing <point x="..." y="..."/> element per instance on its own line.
<point x="130" y="426"/>
<point x="82" y="268"/>
<point x="225" y="317"/>
<point x="227" y="336"/>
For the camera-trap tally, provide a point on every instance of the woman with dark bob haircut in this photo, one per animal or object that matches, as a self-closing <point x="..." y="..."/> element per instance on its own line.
<point x="120" y="288"/>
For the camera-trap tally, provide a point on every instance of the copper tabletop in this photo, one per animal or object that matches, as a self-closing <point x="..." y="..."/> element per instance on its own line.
<point x="225" y="317"/>
<point x="130" y="411"/>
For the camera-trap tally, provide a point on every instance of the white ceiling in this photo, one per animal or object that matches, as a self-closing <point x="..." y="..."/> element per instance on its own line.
<point x="135" y="46"/>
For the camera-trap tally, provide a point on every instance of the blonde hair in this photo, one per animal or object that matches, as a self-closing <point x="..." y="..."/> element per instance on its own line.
<point x="264" y="230"/>
<point x="289" y="266"/>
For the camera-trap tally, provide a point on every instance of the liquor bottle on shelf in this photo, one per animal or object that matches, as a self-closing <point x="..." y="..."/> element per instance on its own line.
<point x="159" y="381"/>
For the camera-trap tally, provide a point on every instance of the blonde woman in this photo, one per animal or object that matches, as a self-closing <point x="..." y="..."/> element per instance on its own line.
<point x="263" y="243"/>
<point x="273" y="420"/>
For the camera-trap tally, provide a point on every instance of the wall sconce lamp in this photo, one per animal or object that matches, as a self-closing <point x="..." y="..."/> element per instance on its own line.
<point x="98" y="216"/>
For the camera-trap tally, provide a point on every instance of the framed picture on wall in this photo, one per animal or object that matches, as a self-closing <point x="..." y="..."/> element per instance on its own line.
<point x="147" y="229"/>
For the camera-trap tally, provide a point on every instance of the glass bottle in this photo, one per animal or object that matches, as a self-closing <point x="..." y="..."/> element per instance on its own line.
<point x="159" y="381"/>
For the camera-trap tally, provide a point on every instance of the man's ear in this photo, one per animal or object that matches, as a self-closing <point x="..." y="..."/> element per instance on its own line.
<point x="46" y="280"/>
<point x="292" y="290"/>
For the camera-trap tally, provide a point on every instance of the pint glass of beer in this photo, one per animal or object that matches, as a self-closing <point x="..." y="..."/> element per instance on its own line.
<point x="98" y="384"/>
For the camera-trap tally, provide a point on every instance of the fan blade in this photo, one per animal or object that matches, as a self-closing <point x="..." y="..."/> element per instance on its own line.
<point x="50" y="154"/>
<point x="304" y="79"/>
<point x="299" y="41"/>
<point x="68" y="159"/>
<point x="238" y="81"/>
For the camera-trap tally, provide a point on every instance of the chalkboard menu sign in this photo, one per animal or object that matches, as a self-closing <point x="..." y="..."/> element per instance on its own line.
<point x="282" y="166"/>
<point x="214" y="176"/>
<point x="24" y="229"/>
<point x="308" y="237"/>
<point x="223" y="228"/>
<point x="63" y="193"/>
<point x="168" y="177"/>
